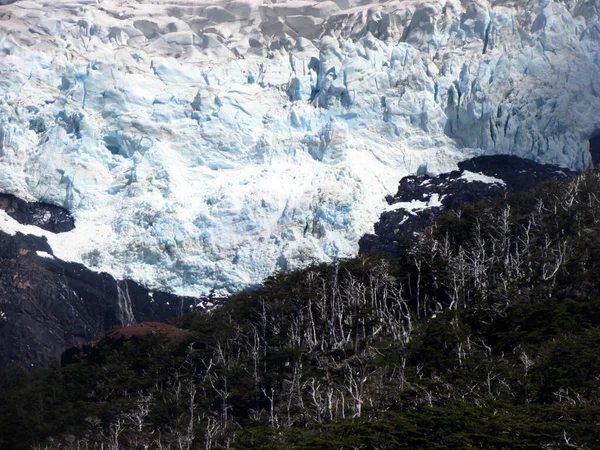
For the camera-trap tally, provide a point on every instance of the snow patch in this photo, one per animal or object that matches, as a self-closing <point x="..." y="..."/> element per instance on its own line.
<point x="414" y="206"/>
<point x="470" y="177"/>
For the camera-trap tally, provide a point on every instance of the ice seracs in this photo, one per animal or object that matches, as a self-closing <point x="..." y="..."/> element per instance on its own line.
<point x="205" y="144"/>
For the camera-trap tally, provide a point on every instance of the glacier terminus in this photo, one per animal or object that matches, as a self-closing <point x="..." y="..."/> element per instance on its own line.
<point x="203" y="145"/>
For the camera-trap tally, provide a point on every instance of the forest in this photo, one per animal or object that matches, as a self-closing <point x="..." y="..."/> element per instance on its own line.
<point x="483" y="333"/>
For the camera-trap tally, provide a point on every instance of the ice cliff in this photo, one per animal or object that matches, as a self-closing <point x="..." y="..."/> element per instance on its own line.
<point x="204" y="145"/>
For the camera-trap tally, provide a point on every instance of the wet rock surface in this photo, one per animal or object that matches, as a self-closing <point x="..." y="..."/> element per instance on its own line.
<point x="420" y="199"/>
<point x="595" y="149"/>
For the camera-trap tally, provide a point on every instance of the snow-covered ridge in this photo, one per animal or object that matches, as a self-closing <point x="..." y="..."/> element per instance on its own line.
<point x="205" y="144"/>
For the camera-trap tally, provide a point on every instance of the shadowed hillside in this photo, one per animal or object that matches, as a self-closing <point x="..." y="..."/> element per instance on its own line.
<point x="484" y="335"/>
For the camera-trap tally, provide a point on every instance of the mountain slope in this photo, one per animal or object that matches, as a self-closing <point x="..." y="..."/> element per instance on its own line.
<point x="49" y="304"/>
<point x="485" y="335"/>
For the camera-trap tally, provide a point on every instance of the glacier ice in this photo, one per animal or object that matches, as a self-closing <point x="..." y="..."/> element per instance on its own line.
<point x="205" y="144"/>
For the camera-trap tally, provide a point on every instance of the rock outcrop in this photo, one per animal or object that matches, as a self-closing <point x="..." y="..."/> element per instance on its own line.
<point x="420" y="199"/>
<point x="43" y="215"/>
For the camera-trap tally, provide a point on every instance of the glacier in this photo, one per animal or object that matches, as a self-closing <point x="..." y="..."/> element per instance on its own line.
<point x="203" y="145"/>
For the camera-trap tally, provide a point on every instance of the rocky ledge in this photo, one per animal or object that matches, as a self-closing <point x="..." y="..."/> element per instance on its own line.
<point x="43" y="215"/>
<point x="422" y="197"/>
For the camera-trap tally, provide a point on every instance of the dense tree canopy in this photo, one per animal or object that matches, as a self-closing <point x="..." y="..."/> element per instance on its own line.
<point x="484" y="334"/>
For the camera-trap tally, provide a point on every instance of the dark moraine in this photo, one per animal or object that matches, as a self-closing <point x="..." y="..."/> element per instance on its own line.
<point x="517" y="174"/>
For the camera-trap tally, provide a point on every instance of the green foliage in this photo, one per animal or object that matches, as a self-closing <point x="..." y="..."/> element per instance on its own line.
<point x="484" y="335"/>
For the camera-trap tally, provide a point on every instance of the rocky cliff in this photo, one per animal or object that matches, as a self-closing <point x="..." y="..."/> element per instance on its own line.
<point x="422" y="198"/>
<point x="47" y="304"/>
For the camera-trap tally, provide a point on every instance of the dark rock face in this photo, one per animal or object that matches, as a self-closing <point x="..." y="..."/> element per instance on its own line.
<point x="47" y="217"/>
<point x="595" y="149"/>
<point x="451" y="191"/>
<point x="520" y="175"/>
<point x="48" y="305"/>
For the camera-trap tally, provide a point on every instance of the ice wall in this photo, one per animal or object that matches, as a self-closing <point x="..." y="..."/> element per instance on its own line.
<point x="204" y="145"/>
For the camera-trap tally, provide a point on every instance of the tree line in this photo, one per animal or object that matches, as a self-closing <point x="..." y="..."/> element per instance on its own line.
<point x="460" y="341"/>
